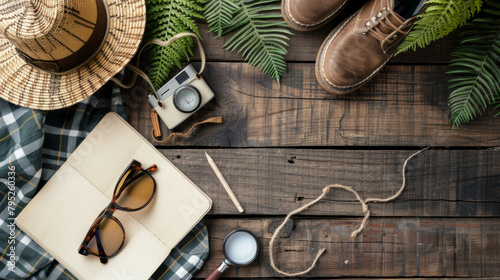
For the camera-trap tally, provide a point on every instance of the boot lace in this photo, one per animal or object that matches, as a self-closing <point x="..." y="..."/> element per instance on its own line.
<point x="375" y="24"/>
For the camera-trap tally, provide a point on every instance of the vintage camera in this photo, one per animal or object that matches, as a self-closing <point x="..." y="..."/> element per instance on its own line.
<point x="182" y="96"/>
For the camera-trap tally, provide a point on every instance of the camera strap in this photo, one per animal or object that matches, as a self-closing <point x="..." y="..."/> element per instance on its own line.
<point x="176" y="134"/>
<point x="156" y="131"/>
<point x="138" y="72"/>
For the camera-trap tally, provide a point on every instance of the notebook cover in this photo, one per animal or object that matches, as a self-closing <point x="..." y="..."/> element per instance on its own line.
<point x="60" y="215"/>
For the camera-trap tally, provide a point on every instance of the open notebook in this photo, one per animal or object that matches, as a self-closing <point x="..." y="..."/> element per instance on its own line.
<point x="60" y="215"/>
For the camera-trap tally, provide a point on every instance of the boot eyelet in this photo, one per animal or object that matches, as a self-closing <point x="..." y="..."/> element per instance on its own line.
<point x="367" y="24"/>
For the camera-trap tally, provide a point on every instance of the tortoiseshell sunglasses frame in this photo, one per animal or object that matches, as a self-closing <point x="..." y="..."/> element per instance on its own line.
<point x="110" y="210"/>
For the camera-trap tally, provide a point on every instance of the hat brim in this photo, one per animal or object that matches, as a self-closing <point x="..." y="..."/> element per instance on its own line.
<point x="28" y="86"/>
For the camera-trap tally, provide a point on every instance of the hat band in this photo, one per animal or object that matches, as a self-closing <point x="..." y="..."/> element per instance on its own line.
<point x="82" y="55"/>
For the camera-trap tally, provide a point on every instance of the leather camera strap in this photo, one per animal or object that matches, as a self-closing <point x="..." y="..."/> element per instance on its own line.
<point x="162" y="43"/>
<point x="179" y="134"/>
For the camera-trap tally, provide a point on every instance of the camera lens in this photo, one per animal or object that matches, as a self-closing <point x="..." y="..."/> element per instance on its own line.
<point x="187" y="98"/>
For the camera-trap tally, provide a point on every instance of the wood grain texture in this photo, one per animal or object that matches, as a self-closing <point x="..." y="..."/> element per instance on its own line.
<point x="304" y="47"/>
<point x="405" y="105"/>
<point x="440" y="183"/>
<point x="295" y="139"/>
<point x="389" y="247"/>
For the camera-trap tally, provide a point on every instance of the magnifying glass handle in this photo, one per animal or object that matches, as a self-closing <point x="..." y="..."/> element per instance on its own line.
<point x="217" y="273"/>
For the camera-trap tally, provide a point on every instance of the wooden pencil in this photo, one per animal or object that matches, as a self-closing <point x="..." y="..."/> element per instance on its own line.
<point x="224" y="183"/>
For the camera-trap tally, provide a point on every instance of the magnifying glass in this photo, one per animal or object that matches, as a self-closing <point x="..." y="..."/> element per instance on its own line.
<point x="240" y="248"/>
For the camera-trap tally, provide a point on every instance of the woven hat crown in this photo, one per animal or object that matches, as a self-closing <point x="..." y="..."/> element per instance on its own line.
<point x="55" y="53"/>
<point x="44" y="31"/>
<point x="29" y="19"/>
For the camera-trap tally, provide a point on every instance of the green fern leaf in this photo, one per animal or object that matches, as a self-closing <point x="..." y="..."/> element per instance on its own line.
<point x="259" y="32"/>
<point x="475" y="74"/>
<point x="497" y="107"/>
<point x="439" y="19"/>
<point x="166" y="18"/>
<point x="260" y="35"/>
<point x="218" y="13"/>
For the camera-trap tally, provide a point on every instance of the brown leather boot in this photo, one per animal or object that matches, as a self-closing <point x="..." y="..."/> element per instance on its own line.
<point x="305" y="15"/>
<point x="359" y="47"/>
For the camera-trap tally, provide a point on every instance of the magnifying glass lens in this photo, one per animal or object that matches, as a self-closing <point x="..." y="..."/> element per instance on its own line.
<point x="241" y="248"/>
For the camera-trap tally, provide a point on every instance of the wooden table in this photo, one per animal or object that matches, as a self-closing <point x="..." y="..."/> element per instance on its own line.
<point x="279" y="146"/>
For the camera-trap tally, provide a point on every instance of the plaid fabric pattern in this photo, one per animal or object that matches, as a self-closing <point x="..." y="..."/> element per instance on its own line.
<point x="36" y="144"/>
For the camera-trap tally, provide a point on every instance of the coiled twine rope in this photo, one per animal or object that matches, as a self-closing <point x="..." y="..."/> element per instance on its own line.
<point x="326" y="190"/>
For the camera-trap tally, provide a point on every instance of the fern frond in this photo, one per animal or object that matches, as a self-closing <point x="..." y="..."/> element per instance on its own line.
<point x="439" y="19"/>
<point x="497" y="107"/>
<point x="219" y="13"/>
<point x="166" y="18"/>
<point x="260" y="35"/>
<point x="475" y="67"/>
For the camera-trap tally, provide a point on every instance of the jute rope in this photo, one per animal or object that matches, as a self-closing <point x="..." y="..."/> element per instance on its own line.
<point x="326" y="190"/>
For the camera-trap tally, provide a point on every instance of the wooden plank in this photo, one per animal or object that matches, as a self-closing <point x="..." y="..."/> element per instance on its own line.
<point x="440" y="183"/>
<point x="304" y="46"/>
<point x="403" y="106"/>
<point x="389" y="247"/>
<point x="361" y="278"/>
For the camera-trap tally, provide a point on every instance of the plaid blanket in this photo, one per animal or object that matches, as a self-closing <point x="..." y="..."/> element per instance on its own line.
<point x="33" y="145"/>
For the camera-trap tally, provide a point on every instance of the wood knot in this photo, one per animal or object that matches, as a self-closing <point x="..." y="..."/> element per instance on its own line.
<point x="298" y="197"/>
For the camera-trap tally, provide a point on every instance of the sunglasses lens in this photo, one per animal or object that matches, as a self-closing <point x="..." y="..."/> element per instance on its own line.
<point x="135" y="191"/>
<point x="110" y="235"/>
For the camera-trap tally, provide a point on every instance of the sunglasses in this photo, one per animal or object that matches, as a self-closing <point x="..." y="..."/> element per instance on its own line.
<point x="135" y="189"/>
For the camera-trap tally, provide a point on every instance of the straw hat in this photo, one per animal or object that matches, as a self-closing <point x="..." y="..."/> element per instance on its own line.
<point x="55" y="53"/>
